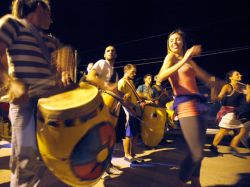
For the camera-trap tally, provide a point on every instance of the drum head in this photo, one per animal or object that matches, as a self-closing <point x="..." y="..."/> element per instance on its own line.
<point x="70" y="104"/>
<point x="75" y="135"/>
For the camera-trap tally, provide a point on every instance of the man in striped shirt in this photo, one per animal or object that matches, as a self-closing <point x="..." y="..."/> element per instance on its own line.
<point x="28" y="51"/>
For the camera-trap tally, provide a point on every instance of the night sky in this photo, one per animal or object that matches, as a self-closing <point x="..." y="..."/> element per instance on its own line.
<point x="139" y="30"/>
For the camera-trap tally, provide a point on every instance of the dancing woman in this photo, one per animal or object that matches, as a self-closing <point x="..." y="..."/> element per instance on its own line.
<point x="189" y="105"/>
<point x="230" y="96"/>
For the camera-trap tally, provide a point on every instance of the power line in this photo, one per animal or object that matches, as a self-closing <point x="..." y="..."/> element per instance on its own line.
<point x="210" y="24"/>
<point x="208" y="53"/>
<point x="141" y="64"/>
<point x="160" y="59"/>
<point x="137" y="60"/>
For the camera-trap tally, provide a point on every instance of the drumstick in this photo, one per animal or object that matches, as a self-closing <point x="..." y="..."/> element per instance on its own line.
<point x="118" y="98"/>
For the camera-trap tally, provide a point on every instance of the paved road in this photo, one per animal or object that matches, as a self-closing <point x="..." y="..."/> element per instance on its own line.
<point x="161" y="166"/>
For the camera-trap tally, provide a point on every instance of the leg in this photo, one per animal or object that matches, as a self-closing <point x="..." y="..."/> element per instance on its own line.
<point x="194" y="130"/>
<point x="131" y="133"/>
<point x="127" y="142"/>
<point x="25" y="164"/>
<point x="133" y="144"/>
<point x="236" y="140"/>
<point x="219" y="136"/>
<point x="245" y="139"/>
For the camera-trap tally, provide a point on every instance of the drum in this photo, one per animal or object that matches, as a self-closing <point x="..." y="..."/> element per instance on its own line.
<point x="75" y="135"/>
<point x="5" y="126"/>
<point x="171" y="115"/>
<point x="153" y="126"/>
<point x="111" y="100"/>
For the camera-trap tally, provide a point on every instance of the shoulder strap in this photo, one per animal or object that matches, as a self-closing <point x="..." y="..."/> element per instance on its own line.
<point x="114" y="77"/>
<point x="233" y="90"/>
<point x="133" y="89"/>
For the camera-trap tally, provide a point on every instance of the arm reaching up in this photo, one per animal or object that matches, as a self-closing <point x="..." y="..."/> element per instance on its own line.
<point x="171" y="63"/>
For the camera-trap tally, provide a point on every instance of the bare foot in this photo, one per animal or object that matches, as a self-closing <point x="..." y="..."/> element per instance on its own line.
<point x="128" y="156"/>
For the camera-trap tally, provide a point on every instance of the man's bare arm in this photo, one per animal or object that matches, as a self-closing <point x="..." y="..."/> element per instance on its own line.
<point x="3" y="64"/>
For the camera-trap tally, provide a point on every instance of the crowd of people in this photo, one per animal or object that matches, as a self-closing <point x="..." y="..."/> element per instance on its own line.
<point x="29" y="51"/>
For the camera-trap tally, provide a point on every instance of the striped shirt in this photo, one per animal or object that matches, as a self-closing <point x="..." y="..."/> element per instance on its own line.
<point x="25" y="58"/>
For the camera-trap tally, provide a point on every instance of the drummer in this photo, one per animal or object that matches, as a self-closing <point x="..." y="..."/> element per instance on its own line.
<point x="85" y="73"/>
<point x="103" y="75"/>
<point x="126" y="86"/>
<point x="161" y="96"/>
<point x="28" y="66"/>
<point x="145" y="90"/>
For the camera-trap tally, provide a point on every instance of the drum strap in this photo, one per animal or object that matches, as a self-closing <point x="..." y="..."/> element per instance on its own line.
<point x="114" y="77"/>
<point x="134" y="90"/>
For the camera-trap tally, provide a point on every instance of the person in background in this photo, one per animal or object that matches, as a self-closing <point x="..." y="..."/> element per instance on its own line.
<point x="230" y="97"/>
<point x="190" y="106"/>
<point x="161" y="96"/>
<point x="243" y="114"/>
<point x="89" y="67"/>
<point x="132" y="128"/>
<point x="28" y="64"/>
<point x="85" y="73"/>
<point x="145" y="90"/>
<point x="103" y="75"/>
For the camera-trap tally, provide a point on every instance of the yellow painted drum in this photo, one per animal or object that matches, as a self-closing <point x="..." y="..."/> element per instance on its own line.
<point x="171" y="114"/>
<point x="75" y="135"/>
<point x="153" y="126"/>
<point x="111" y="101"/>
<point x="5" y="126"/>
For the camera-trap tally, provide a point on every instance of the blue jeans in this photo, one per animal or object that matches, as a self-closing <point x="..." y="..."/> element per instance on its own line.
<point x="25" y="162"/>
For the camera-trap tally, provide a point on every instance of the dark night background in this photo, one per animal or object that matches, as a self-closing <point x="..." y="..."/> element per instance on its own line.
<point x="139" y="30"/>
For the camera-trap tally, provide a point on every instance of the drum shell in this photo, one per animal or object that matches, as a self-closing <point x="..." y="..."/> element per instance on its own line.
<point x="5" y="126"/>
<point x="57" y="142"/>
<point x="171" y="115"/>
<point x="113" y="106"/>
<point x="153" y="126"/>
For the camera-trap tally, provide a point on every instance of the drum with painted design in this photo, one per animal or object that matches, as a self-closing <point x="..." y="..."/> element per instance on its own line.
<point x="172" y="119"/>
<point x="111" y="100"/>
<point x="75" y="135"/>
<point x="5" y="126"/>
<point x="153" y="125"/>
